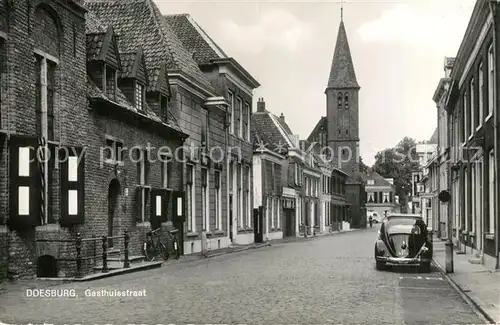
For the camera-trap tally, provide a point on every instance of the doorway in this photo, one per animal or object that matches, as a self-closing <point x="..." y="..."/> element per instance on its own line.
<point x="231" y="234"/>
<point x="113" y="194"/>
<point x="289" y="222"/>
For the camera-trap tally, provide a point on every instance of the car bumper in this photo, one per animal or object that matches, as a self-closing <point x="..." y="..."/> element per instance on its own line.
<point x="403" y="261"/>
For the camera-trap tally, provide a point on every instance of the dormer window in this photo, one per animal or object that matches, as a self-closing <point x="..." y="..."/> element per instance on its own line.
<point x="164" y="107"/>
<point x="346" y="100"/>
<point x="339" y="101"/>
<point x="139" y="96"/>
<point x="111" y="81"/>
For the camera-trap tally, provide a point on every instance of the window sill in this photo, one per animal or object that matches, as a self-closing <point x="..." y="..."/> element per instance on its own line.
<point x="191" y="234"/>
<point x="218" y="232"/>
<point x="490" y="236"/>
<point x="49" y="227"/>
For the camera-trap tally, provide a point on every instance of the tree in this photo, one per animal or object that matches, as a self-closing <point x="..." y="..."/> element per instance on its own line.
<point x="398" y="163"/>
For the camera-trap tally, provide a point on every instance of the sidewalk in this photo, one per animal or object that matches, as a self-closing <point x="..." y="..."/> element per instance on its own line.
<point x="479" y="285"/>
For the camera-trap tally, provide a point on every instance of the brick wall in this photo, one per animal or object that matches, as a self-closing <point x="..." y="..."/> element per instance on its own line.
<point x="4" y="252"/>
<point x="75" y="125"/>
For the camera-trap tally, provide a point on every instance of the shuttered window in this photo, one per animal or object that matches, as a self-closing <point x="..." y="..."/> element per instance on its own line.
<point x="25" y="184"/>
<point x="72" y="169"/>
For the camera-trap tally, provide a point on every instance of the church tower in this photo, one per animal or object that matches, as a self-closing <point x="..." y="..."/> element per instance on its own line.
<point x="342" y="102"/>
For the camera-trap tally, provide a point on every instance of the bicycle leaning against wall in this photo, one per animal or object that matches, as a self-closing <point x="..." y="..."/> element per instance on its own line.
<point x="153" y="247"/>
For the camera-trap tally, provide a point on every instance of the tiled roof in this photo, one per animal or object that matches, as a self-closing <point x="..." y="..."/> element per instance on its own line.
<point x="95" y="31"/>
<point x="94" y="92"/>
<point x="377" y="179"/>
<point x="194" y="38"/>
<point x="434" y="137"/>
<point x="342" y="73"/>
<point x="266" y="127"/>
<point x="128" y="60"/>
<point x="140" y="23"/>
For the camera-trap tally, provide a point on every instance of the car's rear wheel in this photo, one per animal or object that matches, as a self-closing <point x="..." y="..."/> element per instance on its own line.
<point x="380" y="266"/>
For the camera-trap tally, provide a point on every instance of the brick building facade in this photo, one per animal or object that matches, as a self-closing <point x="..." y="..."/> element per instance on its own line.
<point x="139" y="129"/>
<point x="236" y="85"/>
<point x="472" y="104"/>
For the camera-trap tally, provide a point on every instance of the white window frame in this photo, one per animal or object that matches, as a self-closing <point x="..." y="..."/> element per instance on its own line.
<point x="371" y="199"/>
<point x="491" y="82"/>
<point x="240" y="112"/>
<point x="205" y="200"/>
<point x="466" y="120"/>
<point x="466" y="201"/>
<point x="385" y="197"/>
<point x="370" y="182"/>
<point x="218" y="200"/>
<point x="481" y="95"/>
<point x="231" y="120"/>
<point x="278" y="213"/>
<point x="472" y="110"/>
<point x="249" y="207"/>
<point x="492" y="189"/>
<point x="272" y="213"/>
<point x="473" y="190"/>
<point x="191" y="189"/>
<point x="249" y="113"/>
<point x="240" y="167"/>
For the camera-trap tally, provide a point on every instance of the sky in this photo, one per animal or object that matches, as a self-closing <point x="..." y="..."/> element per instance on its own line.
<point x="398" y="50"/>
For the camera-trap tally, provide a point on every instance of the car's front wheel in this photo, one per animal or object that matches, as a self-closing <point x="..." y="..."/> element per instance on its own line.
<point x="380" y="266"/>
<point x="425" y="267"/>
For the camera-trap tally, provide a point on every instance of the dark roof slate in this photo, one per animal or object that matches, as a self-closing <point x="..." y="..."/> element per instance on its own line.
<point x="194" y="38"/>
<point x="94" y="92"/>
<point x="342" y="73"/>
<point x="434" y="137"/>
<point x="378" y="180"/>
<point x="96" y="31"/>
<point x="140" y="23"/>
<point x="264" y="128"/>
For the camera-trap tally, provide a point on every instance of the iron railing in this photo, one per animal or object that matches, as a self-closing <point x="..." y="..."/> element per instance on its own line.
<point x="86" y="251"/>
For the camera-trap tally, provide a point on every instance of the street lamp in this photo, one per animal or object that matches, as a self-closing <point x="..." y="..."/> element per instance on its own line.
<point x="445" y="197"/>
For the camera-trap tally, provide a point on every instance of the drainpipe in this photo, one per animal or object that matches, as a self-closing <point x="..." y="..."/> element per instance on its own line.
<point x="494" y="9"/>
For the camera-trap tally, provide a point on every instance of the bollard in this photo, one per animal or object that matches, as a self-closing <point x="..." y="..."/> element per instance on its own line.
<point x="104" y="254"/>
<point x="126" y="262"/>
<point x="78" y="255"/>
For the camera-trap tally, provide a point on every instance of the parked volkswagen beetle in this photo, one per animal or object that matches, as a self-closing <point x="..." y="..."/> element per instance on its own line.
<point x="404" y="240"/>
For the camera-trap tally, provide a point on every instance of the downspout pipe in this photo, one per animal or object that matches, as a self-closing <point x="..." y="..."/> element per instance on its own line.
<point x="494" y="11"/>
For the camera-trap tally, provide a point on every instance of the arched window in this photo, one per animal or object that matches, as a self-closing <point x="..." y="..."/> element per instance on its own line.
<point x="339" y="100"/>
<point x="346" y="100"/>
<point x="46" y="31"/>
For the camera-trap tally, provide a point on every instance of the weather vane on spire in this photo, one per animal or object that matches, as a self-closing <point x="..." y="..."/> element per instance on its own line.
<point x="341" y="10"/>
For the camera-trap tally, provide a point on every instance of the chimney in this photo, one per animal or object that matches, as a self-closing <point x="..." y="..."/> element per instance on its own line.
<point x="282" y="117"/>
<point x="261" y="105"/>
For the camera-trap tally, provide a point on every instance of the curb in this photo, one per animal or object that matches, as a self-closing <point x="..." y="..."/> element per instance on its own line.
<point x="468" y="299"/>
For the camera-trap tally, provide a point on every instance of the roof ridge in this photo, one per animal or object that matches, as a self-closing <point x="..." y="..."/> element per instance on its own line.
<point x="204" y="35"/>
<point x="160" y="31"/>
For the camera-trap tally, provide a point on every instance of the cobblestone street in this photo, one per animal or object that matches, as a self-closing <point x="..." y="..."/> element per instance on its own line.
<point x="325" y="280"/>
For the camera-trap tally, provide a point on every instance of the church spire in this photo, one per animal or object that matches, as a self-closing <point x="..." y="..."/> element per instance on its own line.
<point x="342" y="73"/>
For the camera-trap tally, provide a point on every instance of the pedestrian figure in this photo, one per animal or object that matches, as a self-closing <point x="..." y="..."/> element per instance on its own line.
<point x="370" y="219"/>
